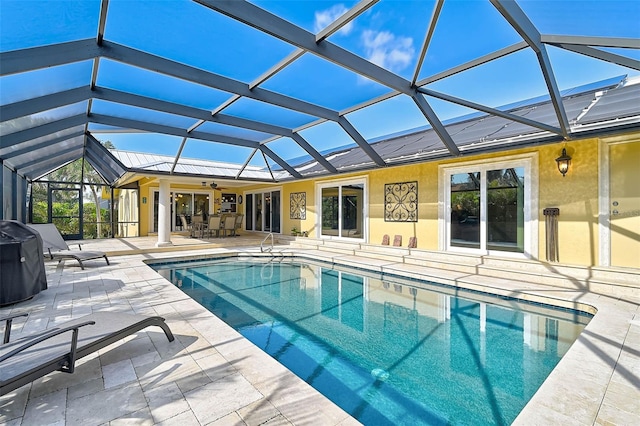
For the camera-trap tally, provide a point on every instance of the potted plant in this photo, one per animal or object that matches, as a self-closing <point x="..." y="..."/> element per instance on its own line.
<point x="294" y="231"/>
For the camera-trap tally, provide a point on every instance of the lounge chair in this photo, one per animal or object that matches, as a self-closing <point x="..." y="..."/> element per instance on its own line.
<point x="56" y="349"/>
<point x="57" y="247"/>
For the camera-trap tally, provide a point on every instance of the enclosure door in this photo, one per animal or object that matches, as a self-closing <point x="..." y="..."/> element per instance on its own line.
<point x="65" y="211"/>
<point x="624" y="204"/>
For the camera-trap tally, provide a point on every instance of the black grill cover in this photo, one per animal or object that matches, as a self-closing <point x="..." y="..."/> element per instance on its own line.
<point x="22" y="274"/>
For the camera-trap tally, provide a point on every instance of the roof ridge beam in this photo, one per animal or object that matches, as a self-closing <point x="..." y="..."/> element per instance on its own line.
<point x="31" y="133"/>
<point x="44" y="103"/>
<point x="33" y="58"/>
<point x="516" y="17"/>
<point x="491" y="111"/>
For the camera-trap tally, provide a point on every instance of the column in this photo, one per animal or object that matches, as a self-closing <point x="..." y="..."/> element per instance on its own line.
<point x="164" y="214"/>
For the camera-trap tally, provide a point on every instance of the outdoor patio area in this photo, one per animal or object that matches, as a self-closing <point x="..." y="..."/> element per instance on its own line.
<point x="211" y="375"/>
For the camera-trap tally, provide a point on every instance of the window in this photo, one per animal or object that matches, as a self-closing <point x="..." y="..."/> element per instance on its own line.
<point x="343" y="209"/>
<point x="489" y="207"/>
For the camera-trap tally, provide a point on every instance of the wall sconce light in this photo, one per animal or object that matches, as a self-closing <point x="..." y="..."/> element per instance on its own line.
<point x="563" y="162"/>
<point x="204" y="183"/>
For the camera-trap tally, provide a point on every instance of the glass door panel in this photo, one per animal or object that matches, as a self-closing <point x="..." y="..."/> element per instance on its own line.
<point x="352" y="208"/>
<point x="275" y="211"/>
<point x="330" y="211"/>
<point x="267" y="212"/>
<point x="505" y="209"/>
<point x="201" y="205"/>
<point x="465" y="210"/>
<point x="249" y="219"/>
<point x="258" y="209"/>
<point x="182" y="206"/>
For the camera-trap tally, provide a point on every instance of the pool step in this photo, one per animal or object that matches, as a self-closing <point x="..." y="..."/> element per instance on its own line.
<point x="619" y="281"/>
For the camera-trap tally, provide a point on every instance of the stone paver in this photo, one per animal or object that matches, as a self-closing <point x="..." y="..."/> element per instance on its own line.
<point x="211" y="375"/>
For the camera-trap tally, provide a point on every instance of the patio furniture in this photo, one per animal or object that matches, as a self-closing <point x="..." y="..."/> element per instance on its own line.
<point x="183" y="221"/>
<point x="197" y="227"/>
<point x="229" y="225"/>
<point x="57" y="349"/>
<point x="215" y="225"/>
<point x="238" y="224"/>
<point x="57" y="247"/>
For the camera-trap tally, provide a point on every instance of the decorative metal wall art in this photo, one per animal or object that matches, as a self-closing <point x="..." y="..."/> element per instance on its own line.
<point x="401" y="202"/>
<point x="298" y="205"/>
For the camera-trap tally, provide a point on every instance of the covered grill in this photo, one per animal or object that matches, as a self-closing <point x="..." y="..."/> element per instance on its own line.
<point x="22" y="273"/>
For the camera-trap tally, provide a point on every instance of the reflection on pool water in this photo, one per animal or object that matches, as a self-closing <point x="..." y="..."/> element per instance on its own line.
<point x="388" y="351"/>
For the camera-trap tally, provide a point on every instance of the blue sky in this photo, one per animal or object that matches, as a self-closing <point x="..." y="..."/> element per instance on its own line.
<point x="389" y="34"/>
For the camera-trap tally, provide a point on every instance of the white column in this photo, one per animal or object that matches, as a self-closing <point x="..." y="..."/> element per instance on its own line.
<point x="164" y="214"/>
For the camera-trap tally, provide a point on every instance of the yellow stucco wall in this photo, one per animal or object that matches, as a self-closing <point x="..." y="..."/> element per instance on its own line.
<point x="576" y="195"/>
<point x="426" y="228"/>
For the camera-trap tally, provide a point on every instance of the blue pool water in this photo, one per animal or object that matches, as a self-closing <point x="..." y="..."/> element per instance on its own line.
<point x="389" y="352"/>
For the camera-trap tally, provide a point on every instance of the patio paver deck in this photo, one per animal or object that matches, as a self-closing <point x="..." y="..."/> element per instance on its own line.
<point x="212" y="375"/>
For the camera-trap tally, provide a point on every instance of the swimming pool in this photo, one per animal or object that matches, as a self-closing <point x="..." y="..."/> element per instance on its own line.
<point x="389" y="351"/>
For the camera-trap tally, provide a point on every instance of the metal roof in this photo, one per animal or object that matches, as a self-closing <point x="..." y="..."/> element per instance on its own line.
<point x="266" y="83"/>
<point x="154" y="164"/>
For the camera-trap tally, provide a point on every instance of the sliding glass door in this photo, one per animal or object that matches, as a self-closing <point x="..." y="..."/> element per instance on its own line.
<point x="262" y="210"/>
<point x="343" y="209"/>
<point x="489" y="207"/>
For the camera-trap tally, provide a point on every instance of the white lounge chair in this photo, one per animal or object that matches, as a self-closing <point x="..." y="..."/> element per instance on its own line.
<point x="57" y="247"/>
